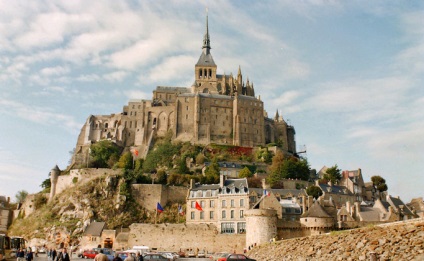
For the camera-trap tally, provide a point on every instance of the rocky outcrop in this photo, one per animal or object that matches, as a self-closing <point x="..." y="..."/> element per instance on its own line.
<point x="395" y="241"/>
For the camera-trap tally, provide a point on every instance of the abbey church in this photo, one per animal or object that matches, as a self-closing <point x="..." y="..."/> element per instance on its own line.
<point x="219" y="109"/>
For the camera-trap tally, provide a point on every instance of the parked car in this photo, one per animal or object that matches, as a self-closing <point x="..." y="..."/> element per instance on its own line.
<point x="122" y="254"/>
<point x="168" y="255"/>
<point x="157" y="257"/>
<point x="235" y="257"/>
<point x="217" y="255"/>
<point x="89" y="254"/>
<point x="191" y="254"/>
<point x="201" y="254"/>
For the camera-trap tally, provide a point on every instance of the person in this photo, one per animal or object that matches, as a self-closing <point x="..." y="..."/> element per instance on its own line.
<point x="130" y="257"/>
<point x="139" y="257"/>
<point x="63" y="256"/>
<point x="53" y="254"/>
<point x="20" y="255"/>
<point x="117" y="257"/>
<point x="29" y="256"/>
<point x="100" y="256"/>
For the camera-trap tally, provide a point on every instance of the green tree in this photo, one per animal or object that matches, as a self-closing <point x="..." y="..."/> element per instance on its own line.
<point x="46" y="184"/>
<point x="212" y="173"/>
<point x="125" y="161"/>
<point x="161" y="156"/>
<point x="245" y="173"/>
<point x="104" y="154"/>
<point x="379" y="183"/>
<point x="287" y="168"/>
<point x="21" y="196"/>
<point x="333" y="174"/>
<point x="182" y="166"/>
<point x="314" y="191"/>
<point x="162" y="177"/>
<point x="200" y="158"/>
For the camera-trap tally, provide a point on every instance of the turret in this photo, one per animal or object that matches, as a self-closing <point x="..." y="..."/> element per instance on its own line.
<point x="54" y="175"/>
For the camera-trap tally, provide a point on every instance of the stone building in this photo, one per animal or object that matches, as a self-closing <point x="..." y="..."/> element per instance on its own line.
<point x="222" y="205"/>
<point x="216" y="108"/>
<point x="5" y="214"/>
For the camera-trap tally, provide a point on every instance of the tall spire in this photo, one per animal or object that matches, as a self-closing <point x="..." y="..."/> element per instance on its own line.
<point x="206" y="41"/>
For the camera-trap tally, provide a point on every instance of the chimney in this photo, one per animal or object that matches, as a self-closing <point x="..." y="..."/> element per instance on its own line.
<point x="317" y="183"/>
<point x="348" y="207"/>
<point x="191" y="183"/>
<point x="357" y="208"/>
<point x="8" y="200"/>
<point x="221" y="180"/>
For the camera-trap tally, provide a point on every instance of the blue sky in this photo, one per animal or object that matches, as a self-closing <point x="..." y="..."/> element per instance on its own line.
<point x="347" y="74"/>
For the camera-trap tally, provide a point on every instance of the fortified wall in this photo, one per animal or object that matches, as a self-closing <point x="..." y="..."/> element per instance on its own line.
<point x="174" y="237"/>
<point x="148" y="195"/>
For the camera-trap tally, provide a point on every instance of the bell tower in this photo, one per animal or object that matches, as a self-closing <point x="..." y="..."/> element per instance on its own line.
<point x="205" y="68"/>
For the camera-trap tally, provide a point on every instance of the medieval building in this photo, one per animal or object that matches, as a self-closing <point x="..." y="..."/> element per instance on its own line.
<point x="220" y="109"/>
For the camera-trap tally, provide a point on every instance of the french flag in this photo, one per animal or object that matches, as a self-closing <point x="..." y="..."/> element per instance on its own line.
<point x="267" y="193"/>
<point x="159" y="208"/>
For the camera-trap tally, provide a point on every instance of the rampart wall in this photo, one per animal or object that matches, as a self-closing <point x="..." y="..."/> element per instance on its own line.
<point x="174" y="237"/>
<point x="82" y="175"/>
<point x="148" y="195"/>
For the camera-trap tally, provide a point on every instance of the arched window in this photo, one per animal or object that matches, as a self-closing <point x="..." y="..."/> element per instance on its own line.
<point x="200" y="73"/>
<point x="210" y="73"/>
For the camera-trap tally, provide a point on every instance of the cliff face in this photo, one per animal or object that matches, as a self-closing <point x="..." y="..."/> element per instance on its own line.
<point x="67" y="215"/>
<point x="396" y="241"/>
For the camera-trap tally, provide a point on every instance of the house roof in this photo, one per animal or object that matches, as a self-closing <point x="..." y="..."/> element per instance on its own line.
<point x="335" y="189"/>
<point x="94" y="229"/>
<point x="397" y="203"/>
<point x="316" y="210"/>
<point x="369" y="213"/>
<point x="282" y="192"/>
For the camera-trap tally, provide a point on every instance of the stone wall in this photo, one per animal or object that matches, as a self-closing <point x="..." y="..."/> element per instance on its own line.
<point x="148" y="195"/>
<point x="174" y="237"/>
<point x="82" y="175"/>
<point x="395" y="241"/>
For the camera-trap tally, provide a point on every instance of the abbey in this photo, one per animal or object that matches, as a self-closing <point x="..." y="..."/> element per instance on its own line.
<point x="219" y="109"/>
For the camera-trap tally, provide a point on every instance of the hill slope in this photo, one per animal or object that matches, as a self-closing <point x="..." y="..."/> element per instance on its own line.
<point x="396" y="241"/>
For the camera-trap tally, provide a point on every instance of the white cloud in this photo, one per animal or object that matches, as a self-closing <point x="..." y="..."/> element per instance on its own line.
<point x="40" y="115"/>
<point x="115" y="76"/>
<point x="138" y="94"/>
<point x="174" y="67"/>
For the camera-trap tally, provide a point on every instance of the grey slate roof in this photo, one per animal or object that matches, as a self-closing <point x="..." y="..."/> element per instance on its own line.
<point x="206" y="60"/>
<point x="205" y="187"/>
<point x="397" y="202"/>
<point x="94" y="229"/>
<point x="335" y="189"/>
<point x="173" y="89"/>
<point x="316" y="211"/>
<point x="369" y="213"/>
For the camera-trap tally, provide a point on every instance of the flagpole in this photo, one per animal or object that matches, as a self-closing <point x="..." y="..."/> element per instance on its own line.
<point x="178" y="213"/>
<point x="156" y="215"/>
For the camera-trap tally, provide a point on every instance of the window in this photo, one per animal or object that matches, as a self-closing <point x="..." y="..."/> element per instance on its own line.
<point x="211" y="214"/>
<point x="202" y="204"/>
<point x="192" y="214"/>
<point x="227" y="228"/>
<point x="242" y="202"/>
<point x="241" y="213"/>
<point x="186" y="116"/>
<point x="193" y="204"/>
<point x="187" y="108"/>
<point x="212" y="204"/>
<point x="202" y="215"/>
<point x="241" y="227"/>
<point x="224" y="204"/>
<point x="232" y="214"/>
<point x="232" y="203"/>
<point x="224" y="214"/>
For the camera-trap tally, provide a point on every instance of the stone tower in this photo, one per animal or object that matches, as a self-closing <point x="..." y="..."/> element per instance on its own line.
<point x="54" y="175"/>
<point x="262" y="226"/>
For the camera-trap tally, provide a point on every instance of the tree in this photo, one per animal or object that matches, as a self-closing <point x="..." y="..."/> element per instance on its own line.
<point x="125" y="161"/>
<point x="21" y="196"/>
<point x="200" y="158"/>
<point x="162" y="177"/>
<point x="333" y="174"/>
<point x="245" y="173"/>
<point x="287" y="168"/>
<point x="212" y="173"/>
<point x="46" y="184"/>
<point x="314" y="191"/>
<point x="379" y="183"/>
<point x="104" y="154"/>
